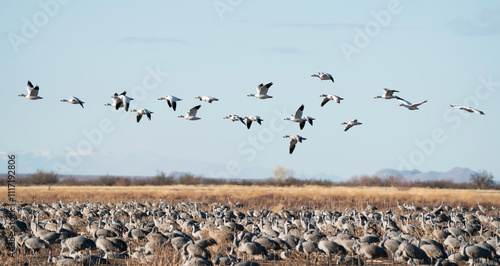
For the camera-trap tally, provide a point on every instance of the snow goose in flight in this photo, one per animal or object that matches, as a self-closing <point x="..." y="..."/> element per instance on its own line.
<point x="351" y="124"/>
<point x="299" y="118"/>
<point x="388" y="94"/>
<point x="409" y="105"/>
<point x="192" y="114"/>
<point x="323" y="76"/>
<point x="142" y="112"/>
<point x="114" y="104"/>
<point x="32" y="92"/>
<point x="122" y="99"/>
<point x="262" y="91"/>
<point x="251" y="118"/>
<point x="332" y="97"/>
<point x="308" y="119"/>
<point x="293" y="141"/>
<point x="74" y="100"/>
<point x="468" y="109"/>
<point x="207" y="99"/>
<point x="235" y="118"/>
<point x="171" y="101"/>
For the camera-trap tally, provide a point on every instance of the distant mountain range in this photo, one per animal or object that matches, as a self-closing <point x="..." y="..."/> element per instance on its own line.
<point x="457" y="174"/>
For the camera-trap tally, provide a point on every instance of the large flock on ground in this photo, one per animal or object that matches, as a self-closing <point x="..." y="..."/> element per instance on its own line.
<point x="123" y="100"/>
<point x="198" y="233"/>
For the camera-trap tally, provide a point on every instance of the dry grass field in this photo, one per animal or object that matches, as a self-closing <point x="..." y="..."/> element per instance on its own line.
<point x="259" y="197"/>
<point x="253" y="197"/>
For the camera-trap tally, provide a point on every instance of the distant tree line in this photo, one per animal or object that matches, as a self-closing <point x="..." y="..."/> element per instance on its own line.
<point x="281" y="177"/>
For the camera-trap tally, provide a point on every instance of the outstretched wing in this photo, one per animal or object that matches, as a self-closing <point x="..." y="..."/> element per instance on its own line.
<point x="249" y="123"/>
<point x="293" y="142"/>
<point x="298" y="113"/>
<point x="34" y="91"/>
<point x="265" y="88"/>
<point x="192" y="111"/>
<point x="139" y="116"/>
<point x="417" y="104"/>
<point x="325" y="100"/>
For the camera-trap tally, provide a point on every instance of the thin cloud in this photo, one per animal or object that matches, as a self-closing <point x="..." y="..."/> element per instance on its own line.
<point x="151" y="40"/>
<point x="485" y="23"/>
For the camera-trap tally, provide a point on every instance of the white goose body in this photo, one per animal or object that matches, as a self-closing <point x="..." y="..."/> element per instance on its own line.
<point x="262" y="91"/>
<point x="171" y="101"/>
<point x="409" y="105"/>
<point x="74" y="100"/>
<point x="388" y="94"/>
<point x="351" y="124"/>
<point x="323" y="76"/>
<point x="251" y="118"/>
<point x="293" y="141"/>
<point x="142" y="112"/>
<point x="192" y="114"/>
<point x="298" y="118"/>
<point x="207" y="99"/>
<point x="468" y="109"/>
<point x="330" y="97"/>
<point x="122" y="98"/>
<point x="115" y="103"/>
<point x="32" y="92"/>
<point x="235" y="118"/>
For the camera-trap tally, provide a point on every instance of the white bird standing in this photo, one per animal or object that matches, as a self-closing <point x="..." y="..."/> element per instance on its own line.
<point x="192" y="114"/>
<point x="409" y="105"/>
<point x="251" y="118"/>
<point x="388" y="94"/>
<point x="142" y="112"/>
<point x="468" y="109"/>
<point x="262" y="91"/>
<point x="74" y="100"/>
<point x="332" y="97"/>
<point x="323" y="76"/>
<point x="293" y="141"/>
<point x="122" y="98"/>
<point x="351" y="124"/>
<point x="32" y="92"/>
<point x="171" y="101"/>
<point x="207" y="99"/>
<point x="235" y="118"/>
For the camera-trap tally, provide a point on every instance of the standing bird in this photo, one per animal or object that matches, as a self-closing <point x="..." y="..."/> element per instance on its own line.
<point x="251" y="118"/>
<point x="409" y="105"/>
<point x="293" y="141"/>
<point x="262" y="91"/>
<point x="142" y="112"/>
<point x="122" y="99"/>
<point x="323" y="76"/>
<point x="192" y="114"/>
<point x="171" y="101"/>
<point x="351" y="124"/>
<point x="468" y="109"/>
<point x="332" y="97"/>
<point x="207" y="99"/>
<point x="388" y="94"/>
<point x="32" y="92"/>
<point x="74" y="100"/>
<point x="235" y="118"/>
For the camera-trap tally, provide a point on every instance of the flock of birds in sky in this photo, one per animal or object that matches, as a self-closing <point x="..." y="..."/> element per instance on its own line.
<point x="122" y="100"/>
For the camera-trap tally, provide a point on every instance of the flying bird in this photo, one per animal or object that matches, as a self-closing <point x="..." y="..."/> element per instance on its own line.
<point x="351" y="124"/>
<point x="74" y="100"/>
<point x="251" y="118"/>
<point x="409" y="105"/>
<point x="207" y="99"/>
<point x="192" y="113"/>
<point x="235" y="118"/>
<point x="293" y="141"/>
<point x="299" y="118"/>
<point x="388" y="94"/>
<point x="468" y="109"/>
<point x="122" y="99"/>
<point x="142" y="112"/>
<point x="330" y="97"/>
<point x="32" y="92"/>
<point x="171" y="101"/>
<point x="323" y="76"/>
<point x="262" y="91"/>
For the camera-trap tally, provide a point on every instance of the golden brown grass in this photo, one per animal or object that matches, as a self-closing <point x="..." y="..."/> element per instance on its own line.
<point x="262" y="196"/>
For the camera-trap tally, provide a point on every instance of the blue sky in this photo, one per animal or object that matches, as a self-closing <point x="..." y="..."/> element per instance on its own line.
<point x="445" y="52"/>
